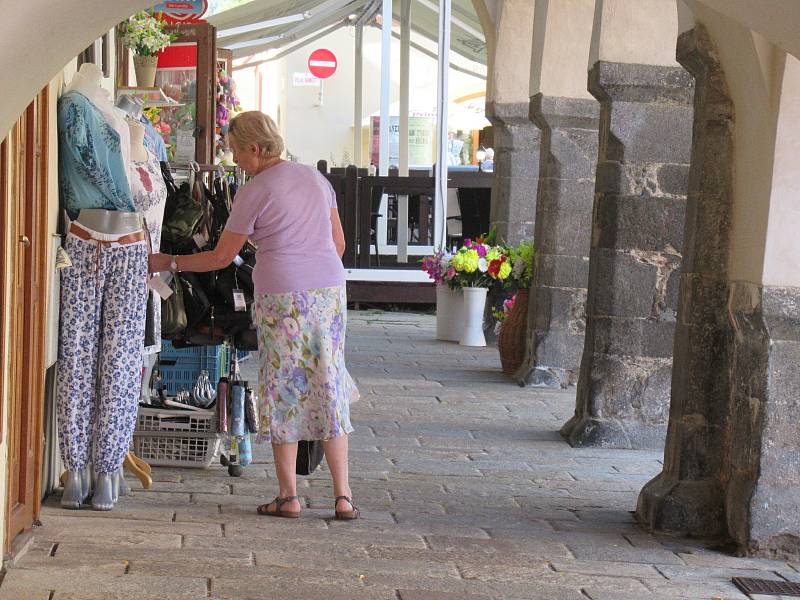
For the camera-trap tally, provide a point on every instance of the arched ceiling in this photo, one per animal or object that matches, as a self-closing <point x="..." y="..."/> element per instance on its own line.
<point x="41" y="36"/>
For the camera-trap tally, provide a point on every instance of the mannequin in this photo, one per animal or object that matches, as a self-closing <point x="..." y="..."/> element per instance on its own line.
<point x="88" y="81"/>
<point x="150" y="197"/>
<point x="103" y="292"/>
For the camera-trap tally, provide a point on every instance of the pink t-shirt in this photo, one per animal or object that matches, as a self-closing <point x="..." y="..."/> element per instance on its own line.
<point x="286" y="211"/>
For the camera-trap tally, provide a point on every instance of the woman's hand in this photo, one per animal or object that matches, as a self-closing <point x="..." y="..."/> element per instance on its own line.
<point x="159" y="262"/>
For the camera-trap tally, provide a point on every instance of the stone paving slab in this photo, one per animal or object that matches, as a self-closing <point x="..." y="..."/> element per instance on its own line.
<point x="467" y="490"/>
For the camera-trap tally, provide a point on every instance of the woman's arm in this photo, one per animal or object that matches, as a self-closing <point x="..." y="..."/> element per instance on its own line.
<point x="220" y="257"/>
<point x="338" y="233"/>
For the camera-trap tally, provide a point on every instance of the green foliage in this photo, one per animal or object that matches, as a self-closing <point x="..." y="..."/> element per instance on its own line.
<point x="145" y="35"/>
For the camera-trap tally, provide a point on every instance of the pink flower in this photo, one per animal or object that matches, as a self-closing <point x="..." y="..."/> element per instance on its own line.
<point x="481" y="250"/>
<point x="468" y="242"/>
<point x="451" y="272"/>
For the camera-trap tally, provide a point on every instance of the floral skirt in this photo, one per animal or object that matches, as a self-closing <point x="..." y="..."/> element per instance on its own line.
<point x="304" y="386"/>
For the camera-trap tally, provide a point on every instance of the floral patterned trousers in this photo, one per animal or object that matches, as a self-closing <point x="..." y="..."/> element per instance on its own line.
<point x="98" y="376"/>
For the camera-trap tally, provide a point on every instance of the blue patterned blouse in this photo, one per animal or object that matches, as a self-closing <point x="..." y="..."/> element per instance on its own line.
<point x="91" y="170"/>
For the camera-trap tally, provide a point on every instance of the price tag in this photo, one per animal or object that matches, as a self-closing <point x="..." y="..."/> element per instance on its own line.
<point x="62" y="259"/>
<point x="239" y="303"/>
<point x="199" y="240"/>
<point x="158" y="285"/>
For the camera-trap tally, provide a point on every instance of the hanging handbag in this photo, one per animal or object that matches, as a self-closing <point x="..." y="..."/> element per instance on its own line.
<point x="309" y="456"/>
<point x="173" y="313"/>
<point x="195" y="300"/>
<point x="185" y="214"/>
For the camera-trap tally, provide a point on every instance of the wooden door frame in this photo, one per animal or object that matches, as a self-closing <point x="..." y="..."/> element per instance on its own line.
<point x="31" y="186"/>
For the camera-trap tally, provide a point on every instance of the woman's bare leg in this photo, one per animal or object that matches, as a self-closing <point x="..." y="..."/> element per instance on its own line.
<point x="336" y="455"/>
<point x="285" y="465"/>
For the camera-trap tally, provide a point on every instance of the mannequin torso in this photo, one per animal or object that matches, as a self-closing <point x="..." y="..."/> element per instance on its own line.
<point x="109" y="221"/>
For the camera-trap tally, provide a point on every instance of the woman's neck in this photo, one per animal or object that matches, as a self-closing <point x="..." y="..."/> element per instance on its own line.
<point x="269" y="162"/>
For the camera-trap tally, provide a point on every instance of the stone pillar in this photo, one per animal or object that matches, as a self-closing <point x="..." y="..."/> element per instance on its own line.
<point x="637" y="242"/>
<point x="762" y="471"/>
<point x="563" y="237"/>
<point x="688" y="496"/>
<point x="516" y="167"/>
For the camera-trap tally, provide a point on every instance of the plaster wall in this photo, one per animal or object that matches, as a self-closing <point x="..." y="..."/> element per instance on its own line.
<point x="782" y="254"/>
<point x="562" y="34"/>
<point x="511" y="66"/>
<point x="751" y="66"/>
<point x="641" y="32"/>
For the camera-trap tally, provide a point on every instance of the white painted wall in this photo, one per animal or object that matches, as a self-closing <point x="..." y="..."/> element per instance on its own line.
<point x="562" y="36"/>
<point x="639" y="32"/>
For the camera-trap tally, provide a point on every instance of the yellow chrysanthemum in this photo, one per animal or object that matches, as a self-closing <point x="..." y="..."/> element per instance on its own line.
<point x="470" y="261"/>
<point x="505" y="270"/>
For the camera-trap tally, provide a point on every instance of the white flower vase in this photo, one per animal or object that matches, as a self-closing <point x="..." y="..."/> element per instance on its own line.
<point x="449" y="313"/>
<point x="474" y="305"/>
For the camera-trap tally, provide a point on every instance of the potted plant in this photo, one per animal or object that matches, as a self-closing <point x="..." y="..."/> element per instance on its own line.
<point x="512" y="339"/>
<point x="449" y="298"/>
<point x="144" y="34"/>
<point x="476" y="267"/>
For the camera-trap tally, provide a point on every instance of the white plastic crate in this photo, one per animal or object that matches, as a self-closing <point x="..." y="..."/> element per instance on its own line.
<point x="177" y="449"/>
<point x="159" y="419"/>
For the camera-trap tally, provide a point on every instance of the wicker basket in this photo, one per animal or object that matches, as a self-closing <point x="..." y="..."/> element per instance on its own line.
<point x="514" y="334"/>
<point x="177" y="449"/>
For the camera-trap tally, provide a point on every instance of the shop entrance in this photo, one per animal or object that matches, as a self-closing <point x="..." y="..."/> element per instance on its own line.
<point x="23" y="220"/>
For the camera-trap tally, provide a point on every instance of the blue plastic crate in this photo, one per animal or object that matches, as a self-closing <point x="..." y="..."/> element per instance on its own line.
<point x="180" y="368"/>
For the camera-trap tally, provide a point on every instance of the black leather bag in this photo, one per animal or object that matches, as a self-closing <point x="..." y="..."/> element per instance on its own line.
<point x="195" y="300"/>
<point x="186" y="213"/>
<point x="173" y="313"/>
<point x="309" y="456"/>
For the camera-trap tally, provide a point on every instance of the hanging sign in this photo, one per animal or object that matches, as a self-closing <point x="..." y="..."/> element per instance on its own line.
<point x="322" y="63"/>
<point x="182" y="12"/>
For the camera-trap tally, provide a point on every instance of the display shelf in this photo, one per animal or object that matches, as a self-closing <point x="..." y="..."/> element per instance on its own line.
<point x="149" y="96"/>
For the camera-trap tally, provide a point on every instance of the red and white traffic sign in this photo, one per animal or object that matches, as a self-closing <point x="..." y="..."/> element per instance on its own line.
<point x="322" y="63"/>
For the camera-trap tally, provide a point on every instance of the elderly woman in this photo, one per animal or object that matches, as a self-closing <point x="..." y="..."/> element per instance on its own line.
<point x="289" y="211"/>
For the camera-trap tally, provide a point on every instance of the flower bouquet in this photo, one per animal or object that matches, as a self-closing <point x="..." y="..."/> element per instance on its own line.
<point x="144" y="34"/>
<point x="513" y="334"/>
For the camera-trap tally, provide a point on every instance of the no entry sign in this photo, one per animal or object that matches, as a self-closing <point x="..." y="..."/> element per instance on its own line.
<point x="322" y="63"/>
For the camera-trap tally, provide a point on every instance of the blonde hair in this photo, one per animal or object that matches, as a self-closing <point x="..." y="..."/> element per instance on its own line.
<point x="254" y="127"/>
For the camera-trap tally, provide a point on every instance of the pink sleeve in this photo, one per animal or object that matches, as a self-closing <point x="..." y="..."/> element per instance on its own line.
<point x="247" y="207"/>
<point x="328" y="190"/>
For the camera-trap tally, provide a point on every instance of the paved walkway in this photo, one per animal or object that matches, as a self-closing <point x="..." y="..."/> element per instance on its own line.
<point x="467" y="491"/>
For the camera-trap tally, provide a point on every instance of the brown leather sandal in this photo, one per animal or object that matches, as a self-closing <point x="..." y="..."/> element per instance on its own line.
<point x="345" y="515"/>
<point x="278" y="512"/>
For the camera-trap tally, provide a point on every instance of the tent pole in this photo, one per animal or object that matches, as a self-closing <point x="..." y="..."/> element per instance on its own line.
<point x="440" y="222"/>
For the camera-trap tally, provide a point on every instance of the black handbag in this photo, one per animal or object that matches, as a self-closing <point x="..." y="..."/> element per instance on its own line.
<point x="309" y="456"/>
<point x="173" y="313"/>
<point x="186" y="213"/>
<point x="195" y="300"/>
